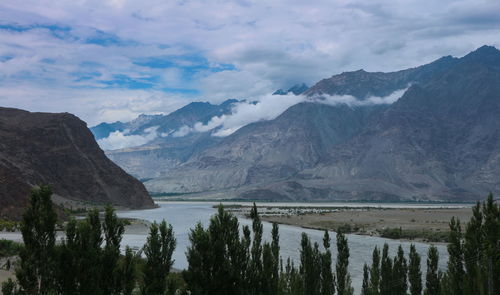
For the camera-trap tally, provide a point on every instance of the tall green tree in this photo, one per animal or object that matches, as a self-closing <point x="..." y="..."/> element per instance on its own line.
<point x="327" y="278"/>
<point x="343" y="277"/>
<point x="386" y="272"/>
<point x="158" y="250"/>
<point x="414" y="273"/>
<point x="432" y="278"/>
<point x="365" y="287"/>
<point x="128" y="272"/>
<point x="275" y="249"/>
<point x="255" y="271"/>
<point x="473" y="253"/>
<point x="113" y="229"/>
<point x="216" y="257"/>
<point x="309" y="262"/>
<point x="375" y="272"/>
<point x="36" y="272"/>
<point x="400" y="273"/>
<point x="455" y="261"/>
<point x="491" y="244"/>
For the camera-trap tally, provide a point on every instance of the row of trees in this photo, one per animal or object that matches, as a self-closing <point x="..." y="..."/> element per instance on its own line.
<point x="225" y="258"/>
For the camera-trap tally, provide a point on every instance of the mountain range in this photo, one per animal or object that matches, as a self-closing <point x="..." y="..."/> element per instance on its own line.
<point x="425" y="133"/>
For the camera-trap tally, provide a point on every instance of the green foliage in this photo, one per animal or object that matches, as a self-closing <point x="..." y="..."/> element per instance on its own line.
<point x="400" y="273"/>
<point x="375" y="272"/>
<point x="9" y="287"/>
<point x="343" y="278"/>
<point x="386" y="274"/>
<point x="428" y="235"/>
<point x="159" y="248"/>
<point x="8" y="225"/>
<point x="36" y="270"/>
<point x="365" y="287"/>
<point x="455" y="261"/>
<point x="432" y="278"/>
<point x="9" y="248"/>
<point x="414" y="273"/>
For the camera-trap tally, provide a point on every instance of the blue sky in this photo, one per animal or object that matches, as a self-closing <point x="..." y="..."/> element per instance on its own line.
<point x="111" y="60"/>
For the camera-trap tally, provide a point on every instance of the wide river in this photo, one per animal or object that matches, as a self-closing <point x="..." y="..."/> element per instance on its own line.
<point x="184" y="215"/>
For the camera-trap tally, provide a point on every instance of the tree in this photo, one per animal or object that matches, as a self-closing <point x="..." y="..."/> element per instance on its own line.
<point x="309" y="261"/>
<point x="128" y="272"/>
<point x="217" y="257"/>
<point x="385" y="272"/>
<point x="432" y="278"/>
<point x="158" y="250"/>
<point x="9" y="287"/>
<point x="36" y="274"/>
<point x="375" y="272"/>
<point x="414" y="273"/>
<point x="473" y="253"/>
<point x="327" y="279"/>
<point x="365" y="287"/>
<point x="275" y="250"/>
<point x="113" y="232"/>
<point x="343" y="278"/>
<point x="455" y="260"/>
<point x="491" y="244"/>
<point x="400" y="273"/>
<point x="255" y="270"/>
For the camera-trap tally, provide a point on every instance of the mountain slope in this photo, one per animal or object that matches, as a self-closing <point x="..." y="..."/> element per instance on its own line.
<point x="58" y="149"/>
<point x="439" y="141"/>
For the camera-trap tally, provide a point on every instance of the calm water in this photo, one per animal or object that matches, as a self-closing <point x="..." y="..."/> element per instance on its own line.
<point x="184" y="215"/>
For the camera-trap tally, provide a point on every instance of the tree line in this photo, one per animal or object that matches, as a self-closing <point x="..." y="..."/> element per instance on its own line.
<point x="227" y="259"/>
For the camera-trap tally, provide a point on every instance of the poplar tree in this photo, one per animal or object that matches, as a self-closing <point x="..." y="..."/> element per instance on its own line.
<point x="473" y="253"/>
<point x="432" y="278"/>
<point x="400" y="273"/>
<point x="375" y="272"/>
<point x="158" y="250"/>
<point x="414" y="273"/>
<point x="309" y="262"/>
<point x="113" y="230"/>
<point x="385" y="272"/>
<point x="491" y="244"/>
<point x="128" y="272"/>
<point x="455" y="260"/>
<point x="255" y="271"/>
<point x="36" y="273"/>
<point x="327" y="278"/>
<point x="343" y="278"/>
<point x="365" y="287"/>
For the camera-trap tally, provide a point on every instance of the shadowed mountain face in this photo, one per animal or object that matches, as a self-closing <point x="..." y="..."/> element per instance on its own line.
<point x="58" y="149"/>
<point x="439" y="141"/>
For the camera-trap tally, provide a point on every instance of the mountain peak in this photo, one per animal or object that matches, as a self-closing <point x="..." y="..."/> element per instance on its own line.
<point x="295" y="89"/>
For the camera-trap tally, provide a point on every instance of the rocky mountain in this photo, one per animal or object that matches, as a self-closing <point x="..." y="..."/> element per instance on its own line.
<point x="439" y="141"/>
<point x="58" y="149"/>
<point x="170" y="149"/>
<point x="295" y="89"/>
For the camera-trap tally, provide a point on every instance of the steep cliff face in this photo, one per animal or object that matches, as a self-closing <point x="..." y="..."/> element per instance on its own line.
<point x="58" y="149"/>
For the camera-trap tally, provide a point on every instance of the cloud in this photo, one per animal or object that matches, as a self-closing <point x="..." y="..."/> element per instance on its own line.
<point x="268" y="107"/>
<point x="353" y="101"/>
<point x="215" y="50"/>
<point x="120" y="140"/>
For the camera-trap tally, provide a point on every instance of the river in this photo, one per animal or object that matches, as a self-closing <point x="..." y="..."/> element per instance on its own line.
<point x="184" y="215"/>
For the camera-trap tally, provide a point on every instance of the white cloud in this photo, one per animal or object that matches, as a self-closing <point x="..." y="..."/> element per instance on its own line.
<point x="353" y="101"/>
<point x="271" y="45"/>
<point x="268" y="107"/>
<point x="119" y="140"/>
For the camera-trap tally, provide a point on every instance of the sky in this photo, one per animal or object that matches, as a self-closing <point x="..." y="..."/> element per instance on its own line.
<point x="109" y="60"/>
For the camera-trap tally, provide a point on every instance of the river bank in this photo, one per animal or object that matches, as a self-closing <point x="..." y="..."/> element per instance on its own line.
<point x="415" y="224"/>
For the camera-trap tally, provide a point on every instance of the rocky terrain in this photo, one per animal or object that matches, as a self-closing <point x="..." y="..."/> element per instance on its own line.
<point x="59" y="149"/>
<point x="439" y="141"/>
